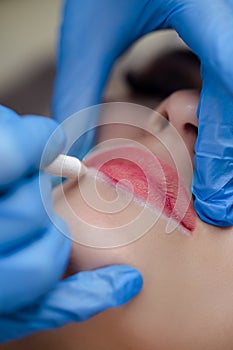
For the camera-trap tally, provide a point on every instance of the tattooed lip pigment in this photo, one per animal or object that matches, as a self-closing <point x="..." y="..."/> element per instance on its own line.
<point x="149" y="178"/>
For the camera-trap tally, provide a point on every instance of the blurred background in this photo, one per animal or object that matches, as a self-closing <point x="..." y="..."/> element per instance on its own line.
<point x="150" y="70"/>
<point x="28" y="32"/>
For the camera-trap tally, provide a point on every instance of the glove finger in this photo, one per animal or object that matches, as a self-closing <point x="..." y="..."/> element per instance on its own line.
<point x="23" y="141"/>
<point x="84" y="295"/>
<point x="213" y="176"/>
<point x="88" y="293"/>
<point x="32" y="270"/>
<point x="210" y="40"/>
<point x="207" y="27"/>
<point x="75" y="299"/>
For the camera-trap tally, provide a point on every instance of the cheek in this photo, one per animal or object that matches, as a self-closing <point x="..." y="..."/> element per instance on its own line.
<point x="143" y="323"/>
<point x="133" y="325"/>
<point x="183" y="301"/>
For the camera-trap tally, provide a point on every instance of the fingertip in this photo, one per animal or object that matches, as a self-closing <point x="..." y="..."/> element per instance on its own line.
<point x="128" y="283"/>
<point x="24" y="141"/>
<point x="7" y="114"/>
<point x="121" y="283"/>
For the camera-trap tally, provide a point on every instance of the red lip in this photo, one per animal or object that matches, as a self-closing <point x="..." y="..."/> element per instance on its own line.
<point x="150" y="179"/>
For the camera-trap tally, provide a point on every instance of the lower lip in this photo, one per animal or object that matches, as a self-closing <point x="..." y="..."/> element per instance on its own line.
<point x="150" y="179"/>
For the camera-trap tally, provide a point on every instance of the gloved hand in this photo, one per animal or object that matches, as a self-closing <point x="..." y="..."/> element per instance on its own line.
<point x="33" y="252"/>
<point x="95" y="33"/>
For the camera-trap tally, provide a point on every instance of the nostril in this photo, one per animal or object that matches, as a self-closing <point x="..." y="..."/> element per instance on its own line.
<point x="191" y="129"/>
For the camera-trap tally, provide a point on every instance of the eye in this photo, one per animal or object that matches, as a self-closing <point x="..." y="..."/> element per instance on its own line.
<point x="166" y="73"/>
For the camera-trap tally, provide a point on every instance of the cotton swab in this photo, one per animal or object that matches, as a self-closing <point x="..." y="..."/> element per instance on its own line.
<point x="66" y="166"/>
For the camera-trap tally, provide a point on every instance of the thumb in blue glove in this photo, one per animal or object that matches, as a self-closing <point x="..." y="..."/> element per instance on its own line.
<point x="213" y="175"/>
<point x="211" y="41"/>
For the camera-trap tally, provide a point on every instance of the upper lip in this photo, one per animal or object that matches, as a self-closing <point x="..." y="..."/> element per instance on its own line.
<point x="151" y="178"/>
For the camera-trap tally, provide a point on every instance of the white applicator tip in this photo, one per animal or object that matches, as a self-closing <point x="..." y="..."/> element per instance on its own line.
<point x="66" y="166"/>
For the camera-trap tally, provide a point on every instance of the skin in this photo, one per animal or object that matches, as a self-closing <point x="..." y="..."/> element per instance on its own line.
<point x="186" y="301"/>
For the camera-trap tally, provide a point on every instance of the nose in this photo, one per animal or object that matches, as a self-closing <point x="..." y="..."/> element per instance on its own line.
<point x="180" y="110"/>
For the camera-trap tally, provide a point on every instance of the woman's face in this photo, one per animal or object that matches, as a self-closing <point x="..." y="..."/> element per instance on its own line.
<point x="187" y="297"/>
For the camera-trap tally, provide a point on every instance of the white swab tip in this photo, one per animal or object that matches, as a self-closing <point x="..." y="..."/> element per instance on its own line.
<point x="66" y="166"/>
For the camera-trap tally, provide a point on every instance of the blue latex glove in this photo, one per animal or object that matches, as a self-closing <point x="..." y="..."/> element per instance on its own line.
<point x="33" y="252"/>
<point x="95" y="33"/>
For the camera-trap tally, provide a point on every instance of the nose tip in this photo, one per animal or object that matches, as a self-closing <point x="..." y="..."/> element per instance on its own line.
<point x="180" y="110"/>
